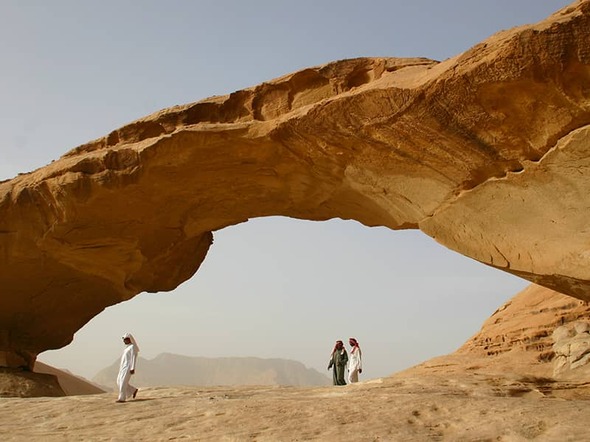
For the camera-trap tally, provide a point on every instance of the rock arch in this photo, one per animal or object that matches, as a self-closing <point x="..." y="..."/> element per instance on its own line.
<point x="487" y="152"/>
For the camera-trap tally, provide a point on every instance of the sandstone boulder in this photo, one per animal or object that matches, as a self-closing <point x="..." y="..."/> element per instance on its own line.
<point x="572" y="349"/>
<point x="487" y="152"/>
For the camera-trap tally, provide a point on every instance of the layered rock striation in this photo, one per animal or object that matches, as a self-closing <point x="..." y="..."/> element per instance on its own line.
<point x="523" y="333"/>
<point x="487" y="152"/>
<point x="537" y="342"/>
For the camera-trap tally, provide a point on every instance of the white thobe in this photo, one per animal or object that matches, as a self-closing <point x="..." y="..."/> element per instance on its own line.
<point x="126" y="390"/>
<point x="355" y="364"/>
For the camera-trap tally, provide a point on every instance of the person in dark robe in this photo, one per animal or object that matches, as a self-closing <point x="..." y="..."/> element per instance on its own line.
<point x="338" y="360"/>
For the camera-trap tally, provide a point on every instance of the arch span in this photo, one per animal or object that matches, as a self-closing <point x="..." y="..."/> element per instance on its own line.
<point x="488" y="153"/>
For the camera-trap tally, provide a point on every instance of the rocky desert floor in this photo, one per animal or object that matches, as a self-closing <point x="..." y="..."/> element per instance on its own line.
<point x="411" y="406"/>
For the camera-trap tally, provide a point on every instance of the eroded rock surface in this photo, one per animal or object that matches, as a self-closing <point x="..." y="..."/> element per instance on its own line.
<point x="535" y="344"/>
<point x="572" y="350"/>
<point x="487" y="152"/>
<point x="520" y="336"/>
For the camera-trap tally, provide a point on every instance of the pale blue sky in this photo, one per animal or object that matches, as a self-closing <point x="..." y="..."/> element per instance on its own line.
<point x="74" y="70"/>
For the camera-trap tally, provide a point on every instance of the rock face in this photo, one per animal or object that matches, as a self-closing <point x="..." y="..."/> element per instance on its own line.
<point x="487" y="152"/>
<point x="537" y="342"/>
<point x="520" y="336"/>
<point x="15" y="383"/>
<point x="572" y="350"/>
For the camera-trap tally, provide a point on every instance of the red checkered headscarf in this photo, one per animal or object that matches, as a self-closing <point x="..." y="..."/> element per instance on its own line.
<point x="339" y="346"/>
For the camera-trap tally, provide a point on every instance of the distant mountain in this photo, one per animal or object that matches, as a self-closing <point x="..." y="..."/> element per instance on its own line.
<point x="168" y="369"/>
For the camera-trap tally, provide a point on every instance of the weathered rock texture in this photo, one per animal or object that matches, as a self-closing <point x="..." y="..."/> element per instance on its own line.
<point x="515" y="352"/>
<point x="572" y="349"/>
<point x="487" y="152"/>
<point x="520" y="336"/>
<point x="21" y="383"/>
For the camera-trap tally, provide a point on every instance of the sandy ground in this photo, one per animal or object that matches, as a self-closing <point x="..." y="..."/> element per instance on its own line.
<point x="410" y="406"/>
<point x="465" y="396"/>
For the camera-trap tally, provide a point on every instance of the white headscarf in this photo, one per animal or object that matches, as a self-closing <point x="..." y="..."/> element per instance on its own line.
<point x="133" y="341"/>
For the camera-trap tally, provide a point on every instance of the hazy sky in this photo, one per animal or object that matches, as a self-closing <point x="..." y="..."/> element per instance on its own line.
<point x="72" y="71"/>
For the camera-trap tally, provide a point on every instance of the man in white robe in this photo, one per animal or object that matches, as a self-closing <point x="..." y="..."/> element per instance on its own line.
<point x="355" y="361"/>
<point x="127" y="368"/>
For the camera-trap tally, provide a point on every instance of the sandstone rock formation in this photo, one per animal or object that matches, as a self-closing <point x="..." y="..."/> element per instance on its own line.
<point x="520" y="336"/>
<point x="487" y="152"/>
<point x="45" y="381"/>
<point x="572" y="350"/>
<point x="515" y="353"/>
<point x="28" y="384"/>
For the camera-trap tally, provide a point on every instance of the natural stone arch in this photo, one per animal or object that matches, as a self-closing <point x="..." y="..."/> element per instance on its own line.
<point x="487" y="152"/>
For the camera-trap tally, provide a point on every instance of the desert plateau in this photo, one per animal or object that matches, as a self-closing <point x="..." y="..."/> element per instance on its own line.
<point x="453" y="407"/>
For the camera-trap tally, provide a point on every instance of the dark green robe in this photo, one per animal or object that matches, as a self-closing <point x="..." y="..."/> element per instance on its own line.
<point x="338" y="361"/>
